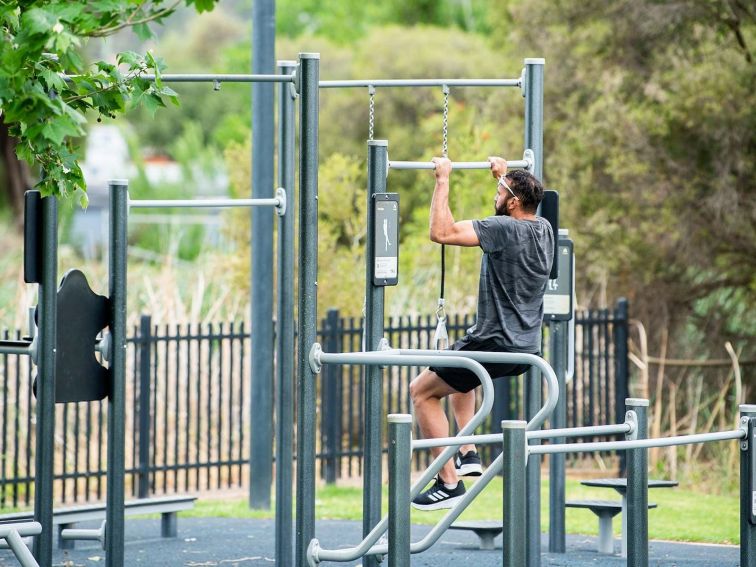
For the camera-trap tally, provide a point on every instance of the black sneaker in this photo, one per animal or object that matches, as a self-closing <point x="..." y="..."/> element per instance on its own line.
<point x="468" y="464"/>
<point x="438" y="496"/>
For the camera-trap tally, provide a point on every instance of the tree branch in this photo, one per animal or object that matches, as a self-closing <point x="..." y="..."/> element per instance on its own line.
<point x="130" y="22"/>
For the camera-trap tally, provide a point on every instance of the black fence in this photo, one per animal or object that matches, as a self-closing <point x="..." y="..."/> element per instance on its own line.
<point x="188" y="405"/>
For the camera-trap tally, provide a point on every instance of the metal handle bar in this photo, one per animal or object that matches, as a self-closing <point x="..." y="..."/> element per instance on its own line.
<point x="22" y="346"/>
<point x="220" y="78"/>
<point x="639" y="443"/>
<point x="492" y="438"/>
<point x="514" y="164"/>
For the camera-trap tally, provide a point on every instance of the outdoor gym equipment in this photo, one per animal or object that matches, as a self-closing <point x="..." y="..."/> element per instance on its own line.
<point x="531" y="84"/>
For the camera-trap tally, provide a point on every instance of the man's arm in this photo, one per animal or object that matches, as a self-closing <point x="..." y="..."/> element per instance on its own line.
<point x="443" y="229"/>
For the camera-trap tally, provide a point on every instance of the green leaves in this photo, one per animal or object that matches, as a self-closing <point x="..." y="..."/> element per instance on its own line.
<point x="46" y="91"/>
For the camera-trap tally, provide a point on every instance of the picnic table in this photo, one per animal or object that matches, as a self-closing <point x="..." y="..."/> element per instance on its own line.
<point x="620" y="485"/>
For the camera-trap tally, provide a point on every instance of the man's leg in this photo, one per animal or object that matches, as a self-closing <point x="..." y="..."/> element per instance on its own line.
<point x="427" y="391"/>
<point x="463" y="405"/>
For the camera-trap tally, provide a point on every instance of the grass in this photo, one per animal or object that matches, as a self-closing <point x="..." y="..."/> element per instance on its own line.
<point x="682" y="515"/>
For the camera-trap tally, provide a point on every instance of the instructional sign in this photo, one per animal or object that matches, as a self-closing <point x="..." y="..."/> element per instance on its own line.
<point x="557" y="301"/>
<point x="385" y="239"/>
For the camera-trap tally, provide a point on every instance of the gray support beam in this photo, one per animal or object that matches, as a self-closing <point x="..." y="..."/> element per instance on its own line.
<point x="636" y="509"/>
<point x="309" y="71"/>
<point x="114" y="516"/>
<point x="285" y="336"/>
<point x="261" y="367"/>
<point x="399" y="469"/>
<point x="513" y="478"/>
<point x="533" y="395"/>
<point x="558" y="350"/>
<point x="748" y="487"/>
<point x="371" y="495"/>
<point x="533" y="88"/>
<point x="45" y="411"/>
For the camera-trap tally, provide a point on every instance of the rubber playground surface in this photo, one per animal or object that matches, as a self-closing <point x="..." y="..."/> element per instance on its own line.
<point x="207" y="542"/>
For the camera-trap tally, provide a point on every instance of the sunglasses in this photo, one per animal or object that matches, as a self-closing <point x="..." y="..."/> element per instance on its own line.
<point x="502" y="181"/>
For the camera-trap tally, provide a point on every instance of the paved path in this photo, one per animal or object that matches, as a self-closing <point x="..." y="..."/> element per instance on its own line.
<point x="210" y="542"/>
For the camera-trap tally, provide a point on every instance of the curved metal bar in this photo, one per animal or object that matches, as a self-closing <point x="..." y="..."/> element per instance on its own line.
<point x="392" y="358"/>
<point x="639" y="443"/>
<point x="508" y="357"/>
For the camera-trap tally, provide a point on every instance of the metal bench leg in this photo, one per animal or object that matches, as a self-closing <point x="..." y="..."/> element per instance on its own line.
<point x="65" y="543"/>
<point x="486" y="540"/>
<point x="606" y="537"/>
<point x="22" y="553"/>
<point x="169" y="524"/>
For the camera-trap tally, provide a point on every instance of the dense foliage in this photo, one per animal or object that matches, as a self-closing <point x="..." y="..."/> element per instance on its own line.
<point x="46" y="89"/>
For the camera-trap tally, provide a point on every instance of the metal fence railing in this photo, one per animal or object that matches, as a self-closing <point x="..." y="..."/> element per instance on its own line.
<point x="188" y="392"/>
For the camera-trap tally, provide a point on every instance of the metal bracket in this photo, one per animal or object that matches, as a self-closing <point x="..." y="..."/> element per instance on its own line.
<point x="744" y="429"/>
<point x="312" y="552"/>
<point x="216" y="85"/>
<point x="631" y="418"/>
<point x="281" y="206"/>
<point x="314" y="359"/>
<point x="384" y="344"/>
<point x="522" y="82"/>
<point x="529" y="157"/>
<point x="104" y="346"/>
<point x="296" y="83"/>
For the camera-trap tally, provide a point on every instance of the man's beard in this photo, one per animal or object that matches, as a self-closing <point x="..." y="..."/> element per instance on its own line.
<point x="502" y="210"/>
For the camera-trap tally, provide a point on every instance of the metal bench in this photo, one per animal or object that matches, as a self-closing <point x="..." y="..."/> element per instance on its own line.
<point x="486" y="530"/>
<point x="66" y="518"/>
<point x="605" y="510"/>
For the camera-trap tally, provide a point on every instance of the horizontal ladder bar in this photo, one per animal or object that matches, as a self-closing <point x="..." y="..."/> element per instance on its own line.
<point x="220" y="78"/>
<point x="363" y="83"/>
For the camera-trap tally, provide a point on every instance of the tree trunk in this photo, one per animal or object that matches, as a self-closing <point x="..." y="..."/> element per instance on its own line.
<point x="15" y="176"/>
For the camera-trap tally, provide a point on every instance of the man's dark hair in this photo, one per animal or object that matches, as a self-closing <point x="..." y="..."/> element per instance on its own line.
<point x="527" y="187"/>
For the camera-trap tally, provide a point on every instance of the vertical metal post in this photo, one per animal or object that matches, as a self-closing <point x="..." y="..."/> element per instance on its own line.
<point x="45" y="411"/>
<point x="400" y="457"/>
<point x="621" y="368"/>
<point x="261" y="367"/>
<point x="748" y="487"/>
<point x="285" y="317"/>
<point x="557" y="538"/>
<point x="635" y="513"/>
<point x="533" y="88"/>
<point x="331" y="412"/>
<point x="533" y="395"/>
<point x="371" y="495"/>
<point x="513" y="474"/>
<point x="309" y="77"/>
<point x="145" y="384"/>
<point x="119" y="210"/>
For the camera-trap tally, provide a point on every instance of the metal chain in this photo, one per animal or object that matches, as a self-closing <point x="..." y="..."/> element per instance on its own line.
<point x="445" y="145"/>
<point x="371" y="120"/>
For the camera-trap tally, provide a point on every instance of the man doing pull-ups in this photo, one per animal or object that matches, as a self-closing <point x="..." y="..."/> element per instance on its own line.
<point x="518" y="250"/>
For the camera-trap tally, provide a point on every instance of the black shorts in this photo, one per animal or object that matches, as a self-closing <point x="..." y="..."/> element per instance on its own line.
<point x="464" y="380"/>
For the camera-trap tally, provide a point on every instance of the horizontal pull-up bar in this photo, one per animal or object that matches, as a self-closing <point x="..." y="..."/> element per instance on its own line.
<point x="515" y="164"/>
<point x="420" y="83"/>
<point x="279" y="202"/>
<point x="221" y="78"/>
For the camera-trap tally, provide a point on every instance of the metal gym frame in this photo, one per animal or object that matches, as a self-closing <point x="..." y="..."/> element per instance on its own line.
<point x="531" y="85"/>
<point x="111" y="532"/>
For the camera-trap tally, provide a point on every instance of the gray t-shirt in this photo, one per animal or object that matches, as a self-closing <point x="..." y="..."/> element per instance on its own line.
<point x="514" y="271"/>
